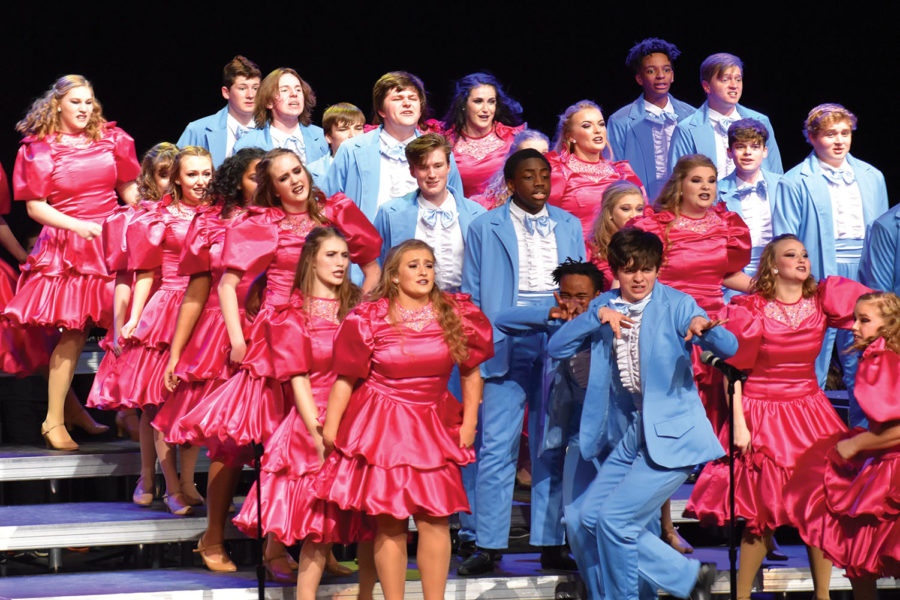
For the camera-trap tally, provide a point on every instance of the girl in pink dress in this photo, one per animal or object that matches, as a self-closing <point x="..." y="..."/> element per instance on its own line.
<point x="251" y="404"/>
<point x="780" y="411"/>
<point x="322" y="297"/>
<point x="845" y="492"/>
<point x="70" y="166"/>
<point x="622" y="201"/>
<point x="396" y="437"/>
<point x="154" y="241"/>
<point x="579" y="171"/>
<point x="496" y="192"/>
<point x="481" y="124"/>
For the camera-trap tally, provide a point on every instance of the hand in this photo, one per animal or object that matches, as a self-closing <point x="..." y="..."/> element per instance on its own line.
<point x="116" y="346"/>
<point x="128" y="328"/>
<point x="319" y="442"/>
<point x="252" y="304"/>
<point x="615" y="319"/>
<point x="88" y="229"/>
<point x="846" y="448"/>
<point x="564" y="309"/>
<point x="170" y="379"/>
<point x="329" y="434"/>
<point x="466" y="436"/>
<point x="699" y="324"/>
<point x="238" y="351"/>
<point x="742" y="439"/>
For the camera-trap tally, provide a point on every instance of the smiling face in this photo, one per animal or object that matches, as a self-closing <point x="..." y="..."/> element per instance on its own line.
<point x="747" y="157"/>
<point x="636" y="283"/>
<point x="832" y="143"/>
<point x="530" y="186"/>
<point x="480" y="108"/>
<point x="415" y="275"/>
<point x="656" y="76"/>
<point x="332" y="262"/>
<point x="698" y="191"/>
<point x="290" y="182"/>
<point x="193" y="178"/>
<point x="587" y="131"/>
<point x="791" y="261"/>
<point x="288" y="102"/>
<point x="431" y="176"/>
<point x="75" y="109"/>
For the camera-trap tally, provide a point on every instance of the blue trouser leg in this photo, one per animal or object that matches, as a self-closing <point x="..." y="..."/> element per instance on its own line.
<point x="844" y="340"/>
<point x="577" y="476"/>
<point x="466" y="520"/>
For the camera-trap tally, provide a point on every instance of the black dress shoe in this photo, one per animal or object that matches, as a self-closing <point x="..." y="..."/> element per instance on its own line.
<point x="570" y="590"/>
<point x="776" y="554"/>
<point x="557" y="557"/>
<point x="466" y="549"/>
<point x="482" y="561"/>
<point x="706" y="577"/>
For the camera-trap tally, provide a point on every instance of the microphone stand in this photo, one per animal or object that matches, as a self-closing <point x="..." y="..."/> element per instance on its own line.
<point x="260" y="558"/>
<point x="732" y="530"/>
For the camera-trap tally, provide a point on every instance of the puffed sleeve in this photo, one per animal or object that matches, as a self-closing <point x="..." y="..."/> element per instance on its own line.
<point x="354" y="342"/>
<point x="249" y="241"/>
<point x="4" y="192"/>
<point x="743" y="318"/>
<point x="878" y="382"/>
<point x="559" y="177"/>
<point x="294" y="358"/>
<point x="738" y="245"/>
<point x="144" y="237"/>
<point x="838" y="296"/>
<point x="653" y="222"/>
<point x="113" y="239"/>
<point x="127" y="165"/>
<point x="363" y="240"/>
<point x="195" y="256"/>
<point x="478" y="330"/>
<point x="623" y="168"/>
<point x="32" y="172"/>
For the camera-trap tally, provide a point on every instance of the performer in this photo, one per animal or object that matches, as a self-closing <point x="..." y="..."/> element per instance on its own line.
<point x="641" y="398"/>
<point x="283" y="113"/>
<point x="622" y="201"/>
<point x="580" y="171"/>
<point x="218" y="133"/>
<point x="322" y="297"/>
<point x="496" y="192"/>
<point x="843" y="495"/>
<point x="829" y="201"/>
<point x="372" y="467"/>
<point x="70" y="166"/>
<point x="780" y="411"/>
<point x="250" y="405"/>
<point x="640" y="132"/>
<point x="481" y="123"/>
<point x="341" y="122"/>
<point x="706" y="131"/>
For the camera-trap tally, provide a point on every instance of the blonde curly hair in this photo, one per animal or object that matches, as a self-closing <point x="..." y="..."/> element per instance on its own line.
<point x="888" y="305"/>
<point x="42" y="119"/>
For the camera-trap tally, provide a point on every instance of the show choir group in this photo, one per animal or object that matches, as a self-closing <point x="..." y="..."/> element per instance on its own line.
<point x="381" y="304"/>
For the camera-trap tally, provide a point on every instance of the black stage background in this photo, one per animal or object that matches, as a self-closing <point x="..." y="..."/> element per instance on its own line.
<point x="157" y="69"/>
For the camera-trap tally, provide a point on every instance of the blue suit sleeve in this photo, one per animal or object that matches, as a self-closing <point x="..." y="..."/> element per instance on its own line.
<point x="187" y="138"/>
<point x="773" y="160"/>
<point x="876" y="267"/>
<point x="571" y="337"/>
<point x="617" y="131"/>
<point x="520" y="320"/>
<point x="471" y="274"/>
<point x="682" y="144"/>
<point x="336" y="178"/>
<point x="454" y="181"/>
<point x="789" y="209"/>
<point x="382" y="225"/>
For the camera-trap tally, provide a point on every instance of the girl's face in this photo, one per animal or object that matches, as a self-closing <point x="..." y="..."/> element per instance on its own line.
<point x="75" y="109"/>
<point x="162" y="179"/>
<point x="193" y="178"/>
<point x="480" y="107"/>
<point x="698" y="190"/>
<point x="868" y="321"/>
<point x="791" y="261"/>
<point x="248" y="181"/>
<point x="626" y="208"/>
<point x="291" y="184"/>
<point x="415" y="277"/>
<point x="587" y="129"/>
<point x="332" y="261"/>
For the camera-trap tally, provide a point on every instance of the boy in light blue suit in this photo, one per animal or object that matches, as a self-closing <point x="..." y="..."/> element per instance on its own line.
<point x="641" y="131"/>
<point x="750" y="190"/>
<point x="641" y="399"/>
<point x="340" y="122"/>
<point x="706" y="131"/>
<point x="283" y="113"/>
<point x="510" y="255"/>
<point x="879" y="266"/>
<point x="829" y="201"/>
<point x="218" y="133"/>
<point x="371" y="169"/>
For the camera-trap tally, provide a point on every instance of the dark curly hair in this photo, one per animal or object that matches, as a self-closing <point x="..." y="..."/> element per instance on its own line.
<point x="646" y="48"/>
<point x="226" y="185"/>
<point x="509" y="111"/>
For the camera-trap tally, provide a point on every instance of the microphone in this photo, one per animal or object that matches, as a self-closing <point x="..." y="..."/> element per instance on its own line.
<point x="730" y="371"/>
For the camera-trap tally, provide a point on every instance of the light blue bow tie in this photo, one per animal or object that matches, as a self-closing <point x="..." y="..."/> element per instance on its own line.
<point x="724" y="123"/>
<point x="240" y="132"/>
<point x="296" y="144"/>
<point x="662" y="118"/>
<point x="839" y="176"/>
<point x="628" y="308"/>
<point x="431" y="217"/>
<point x="543" y="225"/>
<point x="394" y="151"/>
<point x="760" y="189"/>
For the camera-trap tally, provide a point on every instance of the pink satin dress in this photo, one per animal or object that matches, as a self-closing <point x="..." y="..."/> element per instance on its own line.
<point x="479" y="158"/>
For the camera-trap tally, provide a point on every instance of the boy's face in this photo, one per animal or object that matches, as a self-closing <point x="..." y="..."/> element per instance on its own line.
<point x="342" y="131"/>
<point x="636" y="284"/>
<point x="656" y="75"/>
<point x="577" y="291"/>
<point x="241" y="94"/>
<point x="747" y="157"/>
<point x="530" y="186"/>
<point x="402" y="107"/>
<point x="431" y="175"/>
<point x="726" y="87"/>
<point x="832" y="143"/>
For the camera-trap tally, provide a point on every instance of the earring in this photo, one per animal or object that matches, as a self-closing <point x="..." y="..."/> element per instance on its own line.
<point x="58" y="109"/>
<point x="775" y="271"/>
<point x="396" y="281"/>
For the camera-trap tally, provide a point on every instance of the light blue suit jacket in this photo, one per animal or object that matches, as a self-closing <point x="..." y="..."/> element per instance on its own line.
<point x="631" y="139"/>
<point x="209" y="132"/>
<point x="676" y="429"/>
<point x="695" y="135"/>
<point x="879" y="267"/>
<point x="803" y="207"/>
<point x="491" y="269"/>
<point x="727" y="188"/>
<point x="396" y="220"/>
<point x="313" y="139"/>
<point x="356" y="171"/>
